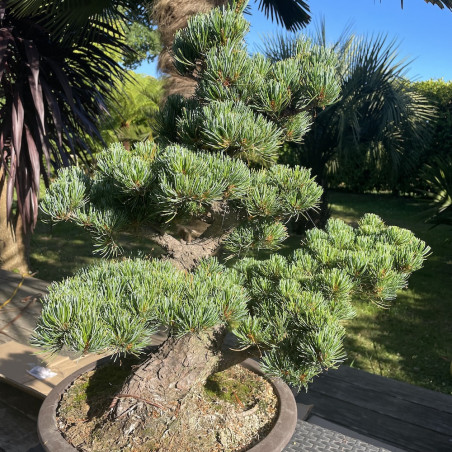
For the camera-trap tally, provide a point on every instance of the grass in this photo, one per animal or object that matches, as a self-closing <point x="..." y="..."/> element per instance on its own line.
<point x="59" y="250"/>
<point x="411" y="341"/>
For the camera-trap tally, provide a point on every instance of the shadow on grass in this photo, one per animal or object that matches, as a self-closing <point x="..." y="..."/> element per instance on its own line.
<point x="59" y="250"/>
<point x="412" y="340"/>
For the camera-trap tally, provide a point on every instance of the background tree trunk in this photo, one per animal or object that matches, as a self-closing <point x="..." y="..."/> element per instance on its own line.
<point x="14" y="241"/>
<point x="170" y="16"/>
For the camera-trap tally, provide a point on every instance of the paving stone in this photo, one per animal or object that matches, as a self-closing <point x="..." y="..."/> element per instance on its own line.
<point x="17" y="432"/>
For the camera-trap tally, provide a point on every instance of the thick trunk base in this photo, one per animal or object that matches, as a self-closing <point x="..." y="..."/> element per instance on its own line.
<point x="181" y="365"/>
<point x="236" y="409"/>
<point x="168" y="382"/>
<point x="163" y="383"/>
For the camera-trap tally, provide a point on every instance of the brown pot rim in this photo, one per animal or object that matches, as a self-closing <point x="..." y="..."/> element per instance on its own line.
<point x="53" y="441"/>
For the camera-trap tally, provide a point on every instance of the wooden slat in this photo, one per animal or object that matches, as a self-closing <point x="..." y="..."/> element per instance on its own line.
<point x="380" y="402"/>
<point x="392" y="431"/>
<point x="9" y="280"/>
<point x="397" y="389"/>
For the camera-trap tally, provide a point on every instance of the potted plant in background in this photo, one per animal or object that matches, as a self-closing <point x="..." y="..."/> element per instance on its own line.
<point x="212" y="185"/>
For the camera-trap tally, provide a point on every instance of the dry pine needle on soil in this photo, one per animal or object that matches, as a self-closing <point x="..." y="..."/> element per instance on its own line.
<point x="234" y="411"/>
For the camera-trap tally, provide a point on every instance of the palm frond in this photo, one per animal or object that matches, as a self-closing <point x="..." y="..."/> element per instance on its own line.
<point x="437" y="175"/>
<point x="73" y="20"/>
<point x="293" y="14"/>
<point x="441" y="3"/>
<point x="377" y="112"/>
<point x="53" y="92"/>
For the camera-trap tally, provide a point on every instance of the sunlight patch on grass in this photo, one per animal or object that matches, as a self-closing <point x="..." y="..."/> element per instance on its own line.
<point x="412" y="340"/>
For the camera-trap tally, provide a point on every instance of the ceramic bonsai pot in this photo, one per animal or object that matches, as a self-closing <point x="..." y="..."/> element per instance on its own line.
<point x="53" y="441"/>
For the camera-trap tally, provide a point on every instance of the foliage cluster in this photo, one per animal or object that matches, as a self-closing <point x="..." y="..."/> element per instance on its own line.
<point x="140" y="34"/>
<point x="439" y="93"/>
<point x="371" y="136"/>
<point x="437" y="180"/>
<point x="155" y="187"/>
<point x="245" y="109"/>
<point x="271" y="304"/>
<point x="435" y="176"/>
<point x="417" y="164"/>
<point x="49" y="100"/>
<point x="216" y="165"/>
<point x="132" y="110"/>
<point x="410" y="342"/>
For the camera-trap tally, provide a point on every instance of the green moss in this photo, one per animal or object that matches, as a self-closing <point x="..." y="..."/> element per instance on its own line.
<point x="233" y="386"/>
<point x="77" y="397"/>
<point x="88" y="396"/>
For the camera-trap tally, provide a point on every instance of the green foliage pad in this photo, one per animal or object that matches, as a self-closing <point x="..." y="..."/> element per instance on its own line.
<point x="215" y="164"/>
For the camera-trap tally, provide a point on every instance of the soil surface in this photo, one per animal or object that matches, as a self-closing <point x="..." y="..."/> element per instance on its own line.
<point x="231" y="413"/>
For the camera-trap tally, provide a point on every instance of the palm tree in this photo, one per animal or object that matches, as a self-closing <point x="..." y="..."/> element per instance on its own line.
<point x="54" y="80"/>
<point x="437" y="176"/>
<point x="377" y="109"/>
<point x="132" y="110"/>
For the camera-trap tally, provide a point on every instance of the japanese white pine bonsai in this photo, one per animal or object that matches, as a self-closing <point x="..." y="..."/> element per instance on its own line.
<point x="213" y="183"/>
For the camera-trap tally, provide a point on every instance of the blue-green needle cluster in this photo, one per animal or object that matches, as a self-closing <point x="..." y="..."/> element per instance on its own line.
<point x="289" y="311"/>
<point x="217" y="151"/>
<point x="153" y="186"/>
<point x="215" y="162"/>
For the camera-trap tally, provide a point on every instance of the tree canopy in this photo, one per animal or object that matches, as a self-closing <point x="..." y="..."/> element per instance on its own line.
<point x="214" y="174"/>
<point x="132" y="110"/>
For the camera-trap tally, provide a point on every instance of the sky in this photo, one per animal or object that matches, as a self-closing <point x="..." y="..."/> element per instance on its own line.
<point x="423" y="31"/>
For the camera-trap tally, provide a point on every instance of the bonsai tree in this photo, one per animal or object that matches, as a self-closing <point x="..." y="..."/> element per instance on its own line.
<point x="212" y="185"/>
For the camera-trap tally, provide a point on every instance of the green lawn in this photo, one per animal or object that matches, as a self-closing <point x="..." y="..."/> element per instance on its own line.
<point x="411" y="341"/>
<point x="57" y="251"/>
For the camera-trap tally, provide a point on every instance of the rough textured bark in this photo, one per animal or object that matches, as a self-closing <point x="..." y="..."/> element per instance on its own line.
<point x="170" y="16"/>
<point x="167" y="376"/>
<point x="185" y="254"/>
<point x="196" y="239"/>
<point x="14" y="242"/>
<point x="163" y="385"/>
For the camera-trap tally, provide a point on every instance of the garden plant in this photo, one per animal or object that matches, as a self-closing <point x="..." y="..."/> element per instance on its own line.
<point x="54" y="82"/>
<point x="211" y="190"/>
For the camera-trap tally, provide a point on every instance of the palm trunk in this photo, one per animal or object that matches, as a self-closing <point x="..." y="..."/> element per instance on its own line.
<point x="170" y="16"/>
<point x="14" y="241"/>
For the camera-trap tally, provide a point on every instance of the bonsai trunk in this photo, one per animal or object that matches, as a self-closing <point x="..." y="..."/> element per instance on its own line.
<point x="197" y="239"/>
<point x="184" y="254"/>
<point x="14" y="241"/>
<point x="163" y="385"/>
